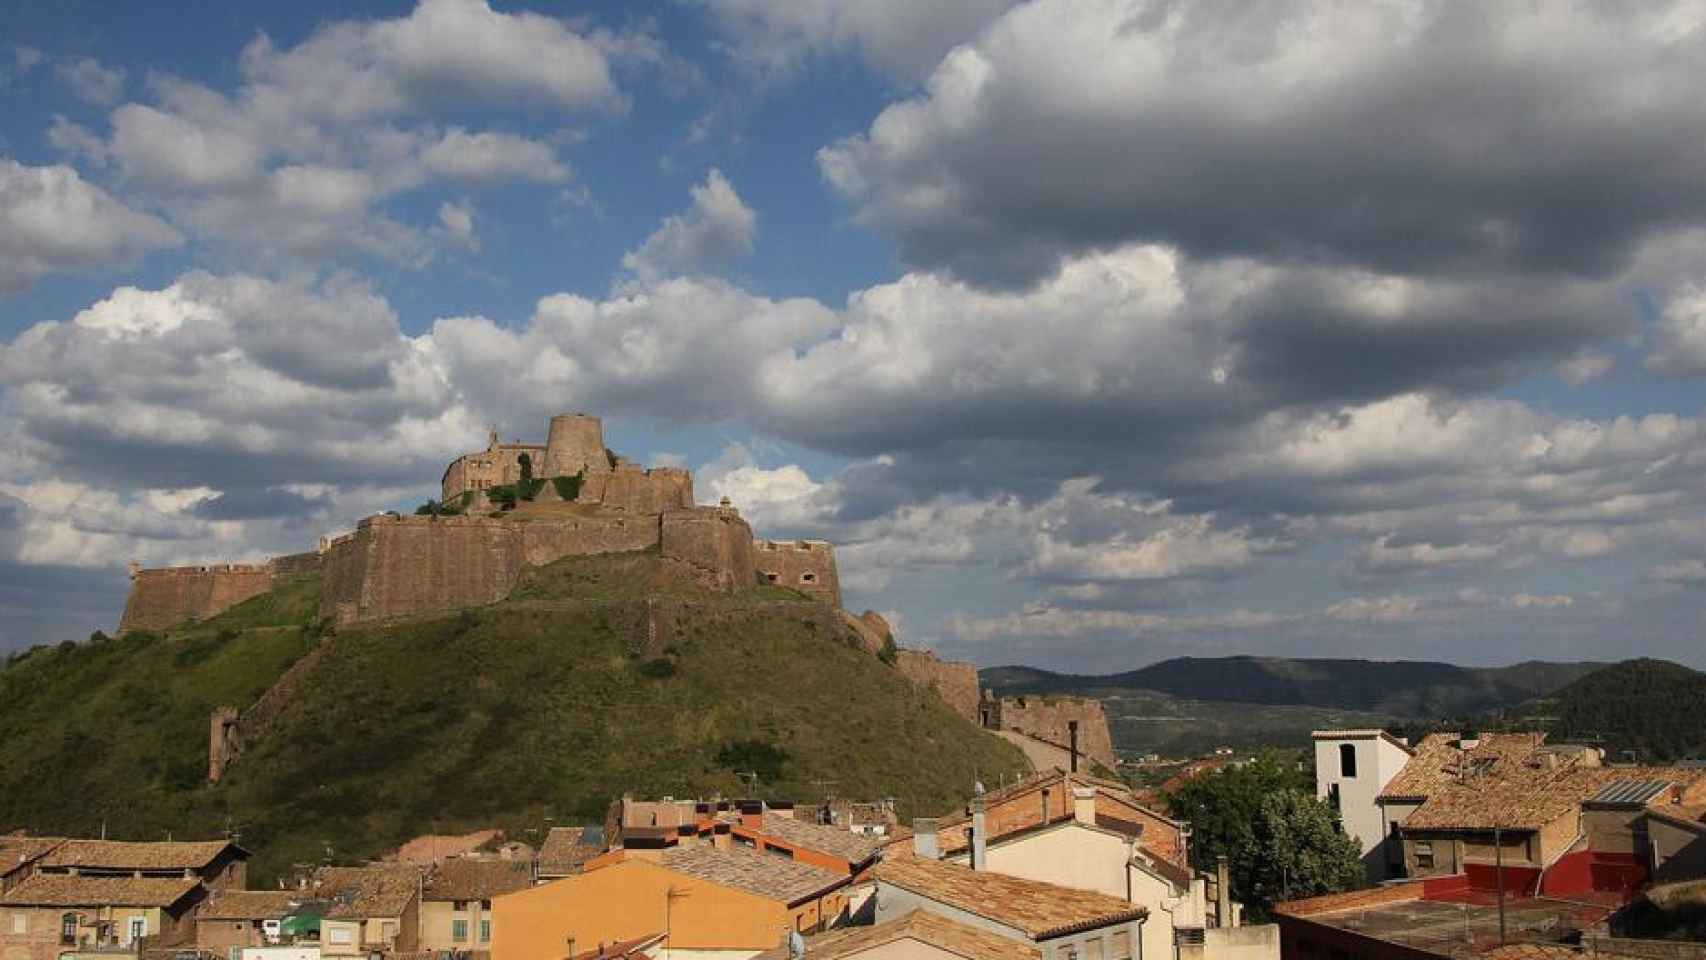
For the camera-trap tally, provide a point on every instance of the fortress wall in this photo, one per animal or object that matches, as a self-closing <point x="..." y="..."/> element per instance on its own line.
<point x="543" y="542"/>
<point x="873" y="634"/>
<point x="169" y="596"/>
<point x="633" y="490"/>
<point x="952" y="680"/>
<point x="804" y="565"/>
<point x="574" y="442"/>
<point x="403" y="566"/>
<point x="295" y="564"/>
<point x="496" y="466"/>
<point x="715" y="540"/>
<point x="1046" y="718"/>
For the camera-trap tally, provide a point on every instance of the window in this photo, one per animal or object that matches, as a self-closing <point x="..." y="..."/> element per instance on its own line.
<point x="20" y="922"/>
<point x="459" y="930"/>
<point x="1333" y="797"/>
<point x="1347" y="760"/>
<point x="338" y="934"/>
<point x="68" y="929"/>
<point x="137" y="930"/>
<point x="388" y="930"/>
<point x="485" y="931"/>
<point x="1424" y="855"/>
<point x="808" y="578"/>
<point x="459" y="906"/>
<point x="486" y="905"/>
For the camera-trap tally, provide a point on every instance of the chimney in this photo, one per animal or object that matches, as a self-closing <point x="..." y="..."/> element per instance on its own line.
<point x="924" y="838"/>
<point x="1072" y="741"/>
<point x="1084" y="805"/>
<point x="752" y="814"/>
<point x="979" y="836"/>
<point x="1223" y="893"/>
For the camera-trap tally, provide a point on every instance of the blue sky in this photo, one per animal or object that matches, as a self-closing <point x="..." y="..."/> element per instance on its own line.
<point x="1095" y="332"/>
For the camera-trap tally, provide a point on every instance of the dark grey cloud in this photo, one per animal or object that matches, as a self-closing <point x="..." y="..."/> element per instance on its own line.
<point x="261" y="504"/>
<point x="1437" y="138"/>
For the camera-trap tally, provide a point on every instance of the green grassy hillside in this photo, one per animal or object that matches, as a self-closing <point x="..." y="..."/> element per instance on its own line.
<point x="1651" y="708"/>
<point x="507" y="715"/>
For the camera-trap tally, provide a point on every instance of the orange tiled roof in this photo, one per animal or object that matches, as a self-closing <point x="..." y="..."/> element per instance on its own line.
<point x="249" y="904"/>
<point x="1038" y="909"/>
<point x="836" y="841"/>
<point x="563" y="851"/>
<point x="71" y="890"/>
<point x="921" y="925"/>
<point x="17" y="849"/>
<point x="1437" y="761"/>
<point x="767" y="875"/>
<point x="125" y="855"/>
<point x="375" y="890"/>
<point x="468" y="878"/>
<point x="432" y="848"/>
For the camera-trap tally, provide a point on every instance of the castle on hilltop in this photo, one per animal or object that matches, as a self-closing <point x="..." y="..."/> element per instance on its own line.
<point x="470" y="549"/>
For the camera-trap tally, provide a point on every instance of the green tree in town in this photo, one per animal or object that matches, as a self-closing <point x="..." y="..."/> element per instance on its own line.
<point x="1279" y="841"/>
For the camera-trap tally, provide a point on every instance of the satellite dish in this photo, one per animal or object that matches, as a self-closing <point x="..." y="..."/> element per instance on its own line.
<point x="796" y="945"/>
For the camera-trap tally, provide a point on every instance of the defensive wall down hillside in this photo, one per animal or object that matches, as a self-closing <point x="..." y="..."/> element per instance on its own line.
<point x="167" y="596"/>
<point x="1051" y="720"/>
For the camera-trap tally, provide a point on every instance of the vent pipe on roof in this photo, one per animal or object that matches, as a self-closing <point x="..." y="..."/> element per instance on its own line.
<point x="924" y="838"/>
<point x="1072" y="740"/>
<point x="979" y="836"/>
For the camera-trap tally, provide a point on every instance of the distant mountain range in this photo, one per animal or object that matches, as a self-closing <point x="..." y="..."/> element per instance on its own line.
<point x="1650" y="708"/>
<point x="1399" y="688"/>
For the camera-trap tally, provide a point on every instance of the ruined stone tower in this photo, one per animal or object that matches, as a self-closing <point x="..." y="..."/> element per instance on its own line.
<point x="574" y="443"/>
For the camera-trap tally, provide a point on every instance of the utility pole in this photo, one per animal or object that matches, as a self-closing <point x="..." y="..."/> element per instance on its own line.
<point x="1499" y="874"/>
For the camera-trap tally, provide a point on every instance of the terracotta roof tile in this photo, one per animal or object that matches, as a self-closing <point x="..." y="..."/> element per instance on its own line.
<point x="921" y="925"/>
<point x="432" y="848"/>
<point x="249" y="904"/>
<point x="468" y="878"/>
<point x="767" y="875"/>
<point x="69" y="890"/>
<point x="836" y="841"/>
<point x="17" y="849"/>
<point x="124" y="855"/>
<point x="564" y="850"/>
<point x="1039" y="909"/>
<point x="375" y="890"/>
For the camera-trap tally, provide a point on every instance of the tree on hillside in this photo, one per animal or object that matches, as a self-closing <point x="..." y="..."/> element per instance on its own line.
<point x="1279" y="841"/>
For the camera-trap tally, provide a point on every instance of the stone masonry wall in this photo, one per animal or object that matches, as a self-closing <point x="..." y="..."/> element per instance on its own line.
<point x="169" y="596"/>
<point x="804" y="565"/>
<point x="403" y="566"/>
<point x="407" y="566"/>
<point x="1046" y="719"/>
<point x="713" y="539"/>
<point x="954" y="681"/>
<point x="633" y="490"/>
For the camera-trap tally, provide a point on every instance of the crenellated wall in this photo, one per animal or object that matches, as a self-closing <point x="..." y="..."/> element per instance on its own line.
<point x="631" y="489"/>
<point x="168" y="596"/>
<point x="395" y="566"/>
<point x="804" y="565"/>
<point x="714" y="539"/>
<point x="1048" y="719"/>
<point x="953" y="680"/>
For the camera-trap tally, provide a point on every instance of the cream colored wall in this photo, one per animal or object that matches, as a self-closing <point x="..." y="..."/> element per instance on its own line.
<point x="1071" y="856"/>
<point x="1156" y="894"/>
<point x="436" y="925"/>
<point x="329" y="945"/>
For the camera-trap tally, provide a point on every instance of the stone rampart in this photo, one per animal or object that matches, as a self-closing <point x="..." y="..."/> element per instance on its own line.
<point x="804" y="565"/>
<point x="1048" y="719"/>
<point x="404" y="566"/>
<point x="548" y="541"/>
<point x="168" y="596"/>
<point x="396" y="566"/>
<point x="630" y="489"/>
<point x="713" y="539"/>
<point x="954" y="681"/>
<point x="230" y="731"/>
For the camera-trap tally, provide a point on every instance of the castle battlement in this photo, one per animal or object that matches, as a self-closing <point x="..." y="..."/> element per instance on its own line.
<point x="397" y="565"/>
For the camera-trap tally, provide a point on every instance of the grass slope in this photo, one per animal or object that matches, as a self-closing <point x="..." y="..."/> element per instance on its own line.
<point x="508" y="715"/>
<point x="1650" y="707"/>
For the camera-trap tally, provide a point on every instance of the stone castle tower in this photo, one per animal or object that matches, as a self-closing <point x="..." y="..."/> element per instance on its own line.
<point x="574" y="443"/>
